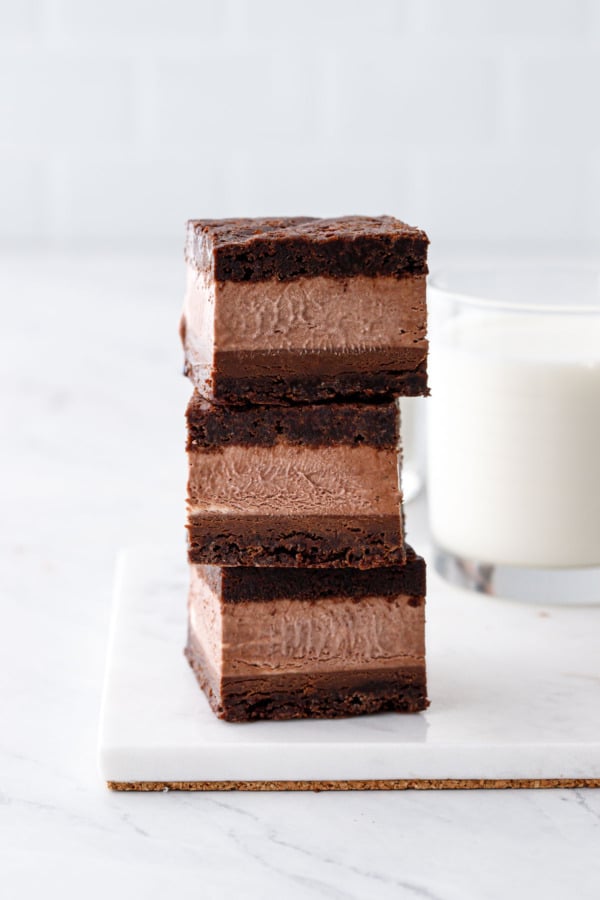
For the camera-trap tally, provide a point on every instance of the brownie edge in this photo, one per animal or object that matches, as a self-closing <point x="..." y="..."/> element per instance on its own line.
<point x="238" y="584"/>
<point x="304" y="389"/>
<point x="210" y="426"/>
<point x="290" y="248"/>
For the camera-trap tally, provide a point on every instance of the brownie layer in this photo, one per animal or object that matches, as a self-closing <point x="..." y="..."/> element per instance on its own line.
<point x="239" y="584"/>
<point x="243" y="250"/>
<point x="316" y="541"/>
<point x="300" y="389"/>
<point x="211" y="426"/>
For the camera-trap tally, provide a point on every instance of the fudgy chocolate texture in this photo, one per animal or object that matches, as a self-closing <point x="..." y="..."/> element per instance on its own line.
<point x="348" y="387"/>
<point x="240" y="584"/>
<point x="336" y="541"/>
<point x="210" y="426"/>
<point x="316" y="696"/>
<point x="289" y="248"/>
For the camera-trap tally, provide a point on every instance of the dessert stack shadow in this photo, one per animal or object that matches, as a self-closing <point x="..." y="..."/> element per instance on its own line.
<point x="299" y="336"/>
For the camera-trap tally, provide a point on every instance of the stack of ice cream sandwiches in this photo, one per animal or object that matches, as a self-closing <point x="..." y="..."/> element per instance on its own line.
<point x="299" y="336"/>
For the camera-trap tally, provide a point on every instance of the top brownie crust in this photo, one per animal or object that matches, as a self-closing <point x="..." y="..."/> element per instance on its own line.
<point x="238" y="584"/>
<point x="299" y="247"/>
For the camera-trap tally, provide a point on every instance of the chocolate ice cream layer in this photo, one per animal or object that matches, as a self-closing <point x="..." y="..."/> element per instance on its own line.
<point x="308" y="486"/>
<point x="308" y="643"/>
<point x="298" y="310"/>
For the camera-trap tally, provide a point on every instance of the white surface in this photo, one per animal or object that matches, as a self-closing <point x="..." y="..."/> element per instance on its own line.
<point x="112" y="128"/>
<point x="514" y="436"/>
<point x="85" y="379"/>
<point x="527" y="706"/>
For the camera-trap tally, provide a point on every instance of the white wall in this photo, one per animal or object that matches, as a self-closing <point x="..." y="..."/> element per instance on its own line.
<point x="477" y="119"/>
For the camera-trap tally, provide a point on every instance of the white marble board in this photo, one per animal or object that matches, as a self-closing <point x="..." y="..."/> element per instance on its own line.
<point x="514" y="689"/>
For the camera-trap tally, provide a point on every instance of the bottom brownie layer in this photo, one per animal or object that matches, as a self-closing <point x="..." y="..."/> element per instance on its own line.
<point x="318" y="695"/>
<point x="349" y="386"/>
<point x="344" y="388"/>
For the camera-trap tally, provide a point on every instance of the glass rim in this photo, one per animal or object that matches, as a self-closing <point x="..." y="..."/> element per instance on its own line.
<point x="436" y="283"/>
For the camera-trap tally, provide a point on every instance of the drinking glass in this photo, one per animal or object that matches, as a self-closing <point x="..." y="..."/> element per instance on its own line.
<point x="514" y="430"/>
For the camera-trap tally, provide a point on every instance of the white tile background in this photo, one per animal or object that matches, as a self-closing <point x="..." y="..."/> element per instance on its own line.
<point x="477" y="120"/>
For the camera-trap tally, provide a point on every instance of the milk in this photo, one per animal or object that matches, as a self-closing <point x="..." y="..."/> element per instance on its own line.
<point x="412" y="433"/>
<point x="514" y="438"/>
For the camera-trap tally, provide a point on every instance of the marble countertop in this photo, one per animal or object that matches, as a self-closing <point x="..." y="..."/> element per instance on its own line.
<point x="92" y="405"/>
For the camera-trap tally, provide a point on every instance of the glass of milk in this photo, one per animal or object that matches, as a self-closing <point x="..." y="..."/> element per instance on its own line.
<point x="514" y="430"/>
<point x="412" y="427"/>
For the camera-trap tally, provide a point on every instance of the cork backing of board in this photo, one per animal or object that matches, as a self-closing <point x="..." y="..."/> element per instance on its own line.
<point x="441" y="784"/>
